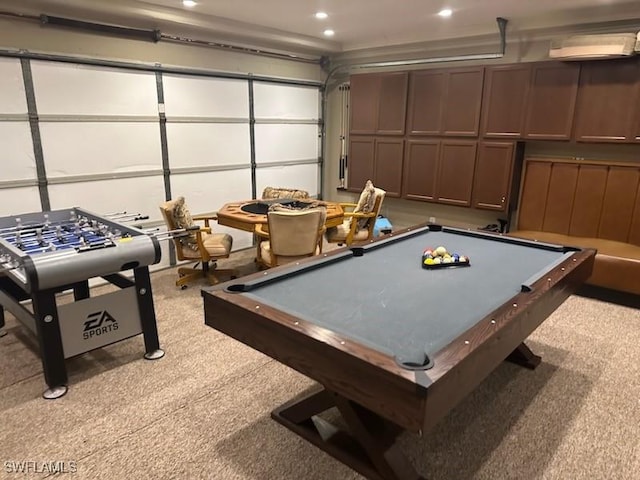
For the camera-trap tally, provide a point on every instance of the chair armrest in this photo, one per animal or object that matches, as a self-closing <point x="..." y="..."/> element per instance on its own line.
<point x="347" y="205"/>
<point x="206" y="218"/>
<point x="360" y="214"/>
<point x="260" y="230"/>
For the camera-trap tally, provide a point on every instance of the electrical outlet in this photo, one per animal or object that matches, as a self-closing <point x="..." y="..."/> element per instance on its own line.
<point x="432" y="219"/>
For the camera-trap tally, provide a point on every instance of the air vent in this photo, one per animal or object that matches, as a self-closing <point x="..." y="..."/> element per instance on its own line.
<point x="591" y="47"/>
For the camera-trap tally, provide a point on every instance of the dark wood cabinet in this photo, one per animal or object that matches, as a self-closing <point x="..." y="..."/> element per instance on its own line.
<point x="360" y="162"/>
<point x="363" y="99"/>
<point x="506" y="89"/>
<point x="493" y="174"/>
<point x="421" y="169"/>
<point x="552" y="99"/>
<point x="456" y="171"/>
<point x="607" y="105"/>
<point x="392" y="103"/>
<point x="387" y="168"/>
<point x="378" y="103"/>
<point x="426" y="93"/>
<point x="445" y="102"/>
<point x="378" y="159"/>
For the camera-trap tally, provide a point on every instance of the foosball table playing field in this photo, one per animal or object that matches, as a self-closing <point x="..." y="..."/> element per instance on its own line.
<point x="43" y="254"/>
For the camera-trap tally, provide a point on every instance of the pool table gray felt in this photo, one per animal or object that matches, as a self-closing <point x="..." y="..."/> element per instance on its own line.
<point x="383" y="298"/>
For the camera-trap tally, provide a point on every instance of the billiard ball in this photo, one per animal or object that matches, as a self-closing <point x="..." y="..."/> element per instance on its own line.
<point x="441" y="251"/>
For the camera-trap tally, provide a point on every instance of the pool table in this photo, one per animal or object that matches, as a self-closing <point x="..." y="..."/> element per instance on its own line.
<point x="394" y="345"/>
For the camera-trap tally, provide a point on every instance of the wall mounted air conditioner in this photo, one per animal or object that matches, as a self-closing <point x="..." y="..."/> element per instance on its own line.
<point x="591" y="47"/>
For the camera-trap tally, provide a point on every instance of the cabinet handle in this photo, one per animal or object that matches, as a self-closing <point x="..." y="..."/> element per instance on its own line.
<point x="502" y="200"/>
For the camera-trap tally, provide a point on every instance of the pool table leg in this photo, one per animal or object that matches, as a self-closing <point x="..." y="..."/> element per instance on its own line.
<point x="369" y="447"/>
<point x="524" y="357"/>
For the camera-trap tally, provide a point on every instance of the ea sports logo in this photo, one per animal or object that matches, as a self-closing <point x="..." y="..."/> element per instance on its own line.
<point x="99" y="323"/>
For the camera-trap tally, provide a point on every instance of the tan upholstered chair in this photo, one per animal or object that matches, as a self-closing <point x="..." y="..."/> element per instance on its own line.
<point x="271" y="193"/>
<point x="359" y="218"/>
<point x="290" y="235"/>
<point x="198" y="244"/>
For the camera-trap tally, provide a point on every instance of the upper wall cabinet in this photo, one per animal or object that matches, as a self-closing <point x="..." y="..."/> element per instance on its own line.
<point x="445" y="102"/>
<point x="506" y="90"/>
<point x="552" y="100"/>
<point x="378" y="103"/>
<point x="607" y="107"/>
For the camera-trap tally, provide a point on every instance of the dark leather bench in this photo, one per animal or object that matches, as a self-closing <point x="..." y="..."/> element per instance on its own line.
<point x="593" y="204"/>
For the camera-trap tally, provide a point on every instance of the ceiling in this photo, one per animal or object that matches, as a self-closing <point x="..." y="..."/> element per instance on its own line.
<point x="358" y="24"/>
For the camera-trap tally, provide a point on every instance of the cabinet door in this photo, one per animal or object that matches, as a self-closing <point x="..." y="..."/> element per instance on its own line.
<point x="552" y="100"/>
<point x="363" y="94"/>
<point x="505" y="98"/>
<point x="392" y="103"/>
<point x="425" y="102"/>
<point x="461" y="112"/>
<point x="492" y="181"/>
<point x="420" y="169"/>
<point x="607" y="101"/>
<point x="455" y="172"/>
<point x="387" y="170"/>
<point x="360" y="162"/>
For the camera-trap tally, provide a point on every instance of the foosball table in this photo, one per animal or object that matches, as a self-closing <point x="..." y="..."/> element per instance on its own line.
<point x="44" y="254"/>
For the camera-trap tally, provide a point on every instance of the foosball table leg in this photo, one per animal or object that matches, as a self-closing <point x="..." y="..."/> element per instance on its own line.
<point x="2" y="331"/>
<point x="147" y="314"/>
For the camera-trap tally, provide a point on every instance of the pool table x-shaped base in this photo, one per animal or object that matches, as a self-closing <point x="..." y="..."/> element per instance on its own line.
<point x="369" y="446"/>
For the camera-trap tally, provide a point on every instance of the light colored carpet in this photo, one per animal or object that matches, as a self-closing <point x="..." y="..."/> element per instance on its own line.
<point x="202" y="411"/>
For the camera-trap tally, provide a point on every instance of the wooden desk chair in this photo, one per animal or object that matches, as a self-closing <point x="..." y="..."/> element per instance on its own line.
<point x="290" y="235"/>
<point x="197" y="245"/>
<point x="359" y="218"/>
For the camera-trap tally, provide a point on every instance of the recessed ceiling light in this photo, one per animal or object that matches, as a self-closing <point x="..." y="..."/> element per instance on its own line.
<point x="445" y="12"/>
<point x="329" y="33"/>
<point x="321" y="15"/>
<point x="189" y="3"/>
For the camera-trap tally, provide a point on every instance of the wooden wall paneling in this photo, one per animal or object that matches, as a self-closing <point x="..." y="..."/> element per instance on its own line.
<point x="427" y="89"/>
<point x="387" y="170"/>
<point x="533" y="201"/>
<point x="552" y="99"/>
<point x="619" y="203"/>
<point x="587" y="202"/>
<point x="392" y="103"/>
<point x="456" y="171"/>
<point x="461" y="115"/>
<point x="420" y="169"/>
<point x="364" y="90"/>
<point x="360" y="166"/>
<point x="562" y="187"/>
<point x="634" y="231"/>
